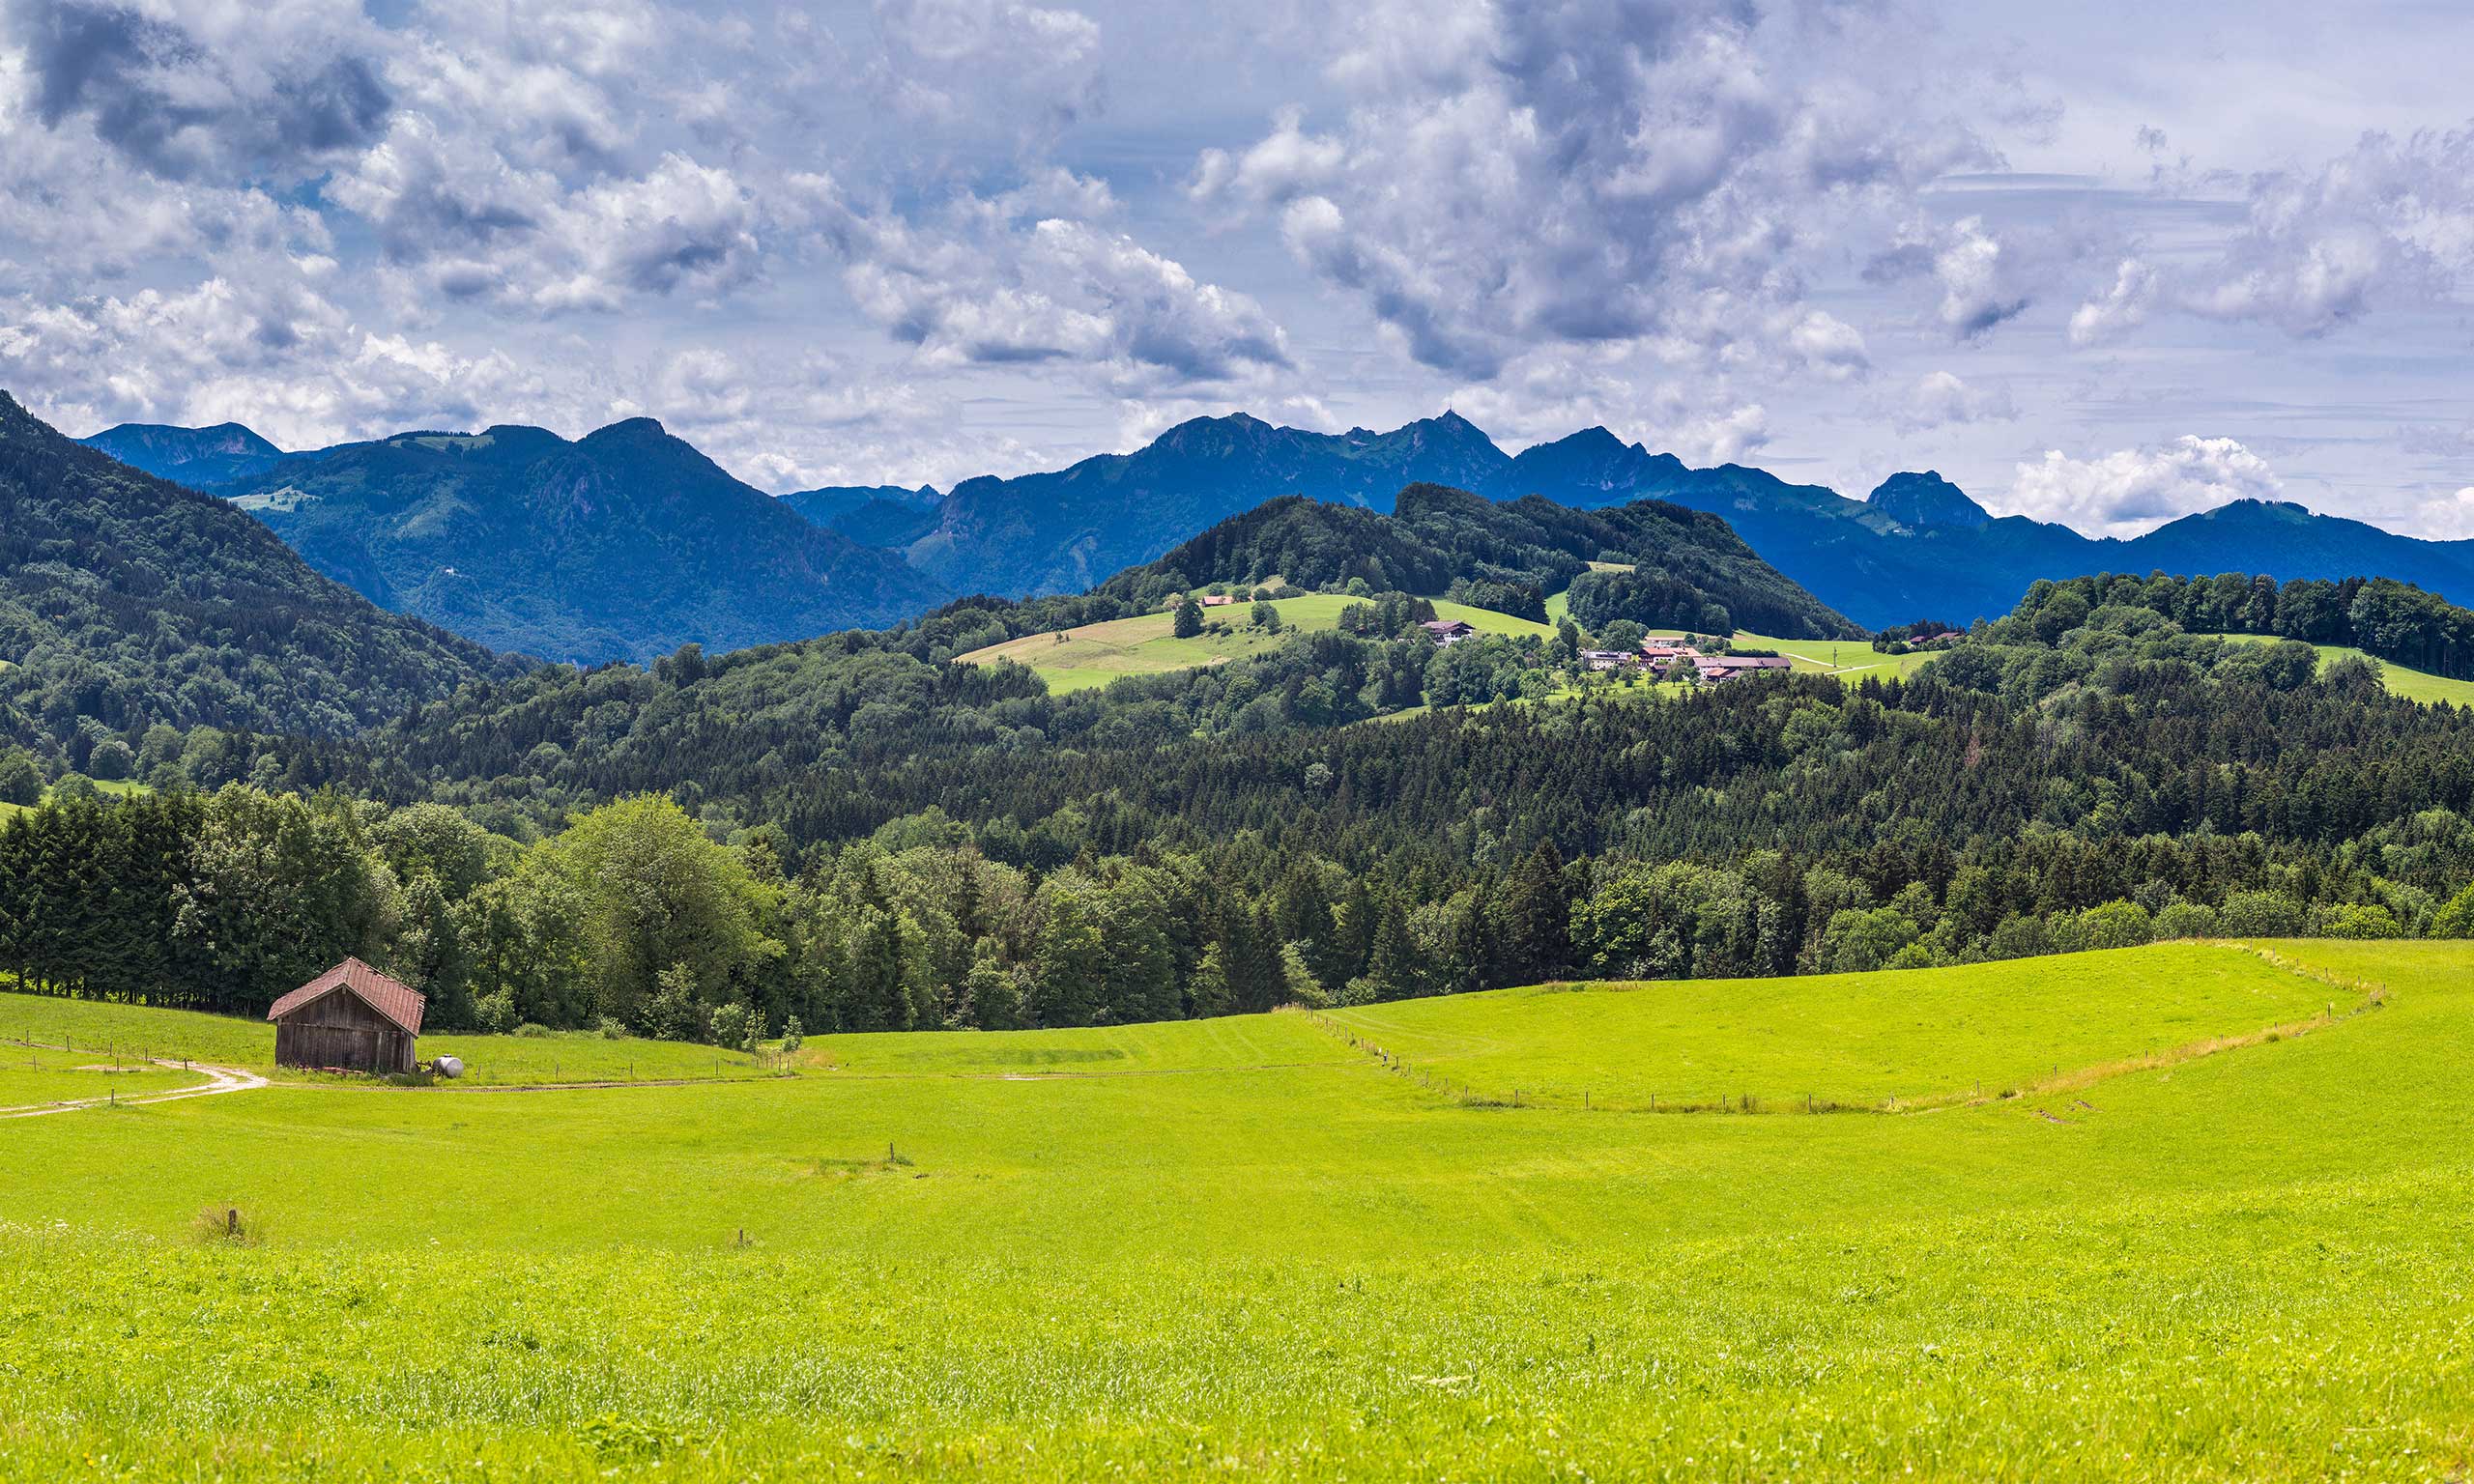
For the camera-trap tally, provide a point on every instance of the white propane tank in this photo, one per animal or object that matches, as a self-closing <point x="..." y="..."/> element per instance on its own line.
<point x="449" y="1067"/>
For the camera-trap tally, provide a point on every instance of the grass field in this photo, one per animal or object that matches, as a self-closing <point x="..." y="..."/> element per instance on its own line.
<point x="1849" y="658"/>
<point x="1097" y="653"/>
<point x="2412" y="684"/>
<point x="32" y="1074"/>
<point x="1250" y="1248"/>
<point x="1856" y="1040"/>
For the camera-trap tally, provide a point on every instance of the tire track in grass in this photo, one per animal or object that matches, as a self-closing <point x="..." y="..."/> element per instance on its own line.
<point x="219" y="1080"/>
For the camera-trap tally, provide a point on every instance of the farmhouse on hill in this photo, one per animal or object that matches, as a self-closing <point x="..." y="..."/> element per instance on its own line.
<point x="1447" y="631"/>
<point x="352" y="1017"/>
<point x="1726" y="666"/>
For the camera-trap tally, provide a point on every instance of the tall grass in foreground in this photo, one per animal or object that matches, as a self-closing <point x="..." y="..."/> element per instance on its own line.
<point x="2198" y="1338"/>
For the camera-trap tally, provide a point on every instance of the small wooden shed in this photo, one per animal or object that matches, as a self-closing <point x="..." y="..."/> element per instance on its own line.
<point x="352" y="1016"/>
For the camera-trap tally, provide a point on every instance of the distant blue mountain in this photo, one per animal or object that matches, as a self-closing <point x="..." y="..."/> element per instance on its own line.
<point x="1070" y="530"/>
<point x="197" y="457"/>
<point x="1918" y="547"/>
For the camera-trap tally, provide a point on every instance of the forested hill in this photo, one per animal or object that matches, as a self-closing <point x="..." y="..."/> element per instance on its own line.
<point x="621" y="545"/>
<point x="1657" y="565"/>
<point x="127" y="601"/>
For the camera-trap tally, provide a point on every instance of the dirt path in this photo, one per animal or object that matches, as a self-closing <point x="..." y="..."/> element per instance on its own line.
<point x="218" y="1079"/>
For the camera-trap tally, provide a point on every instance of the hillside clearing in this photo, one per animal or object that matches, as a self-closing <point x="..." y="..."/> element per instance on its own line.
<point x="1094" y="654"/>
<point x="2401" y="680"/>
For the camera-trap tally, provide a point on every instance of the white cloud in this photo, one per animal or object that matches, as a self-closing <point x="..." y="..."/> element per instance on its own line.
<point x="1831" y="348"/>
<point x="2117" y="310"/>
<point x="275" y="354"/>
<point x="1942" y="399"/>
<point x="2136" y="490"/>
<point x="981" y="286"/>
<point x="1979" y="279"/>
<point x="2390" y="220"/>
<point x="2449" y="517"/>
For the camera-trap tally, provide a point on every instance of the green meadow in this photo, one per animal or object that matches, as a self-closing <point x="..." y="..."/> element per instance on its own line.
<point x="2229" y="1240"/>
<point x="1097" y="653"/>
<point x="1851" y="659"/>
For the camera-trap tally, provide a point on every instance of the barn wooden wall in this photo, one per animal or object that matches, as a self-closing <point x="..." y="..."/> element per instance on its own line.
<point x="339" y="1030"/>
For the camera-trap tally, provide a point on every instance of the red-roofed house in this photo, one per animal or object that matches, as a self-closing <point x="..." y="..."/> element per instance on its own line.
<point x="352" y="1016"/>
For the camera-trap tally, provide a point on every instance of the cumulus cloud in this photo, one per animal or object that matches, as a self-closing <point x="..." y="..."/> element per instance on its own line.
<point x="1519" y="174"/>
<point x="1831" y="348"/>
<point x="1942" y="399"/>
<point x="2117" y="310"/>
<point x="2449" y="517"/>
<point x="277" y="355"/>
<point x="1978" y="280"/>
<point x="2390" y="220"/>
<point x="982" y="285"/>
<point x="2137" y="490"/>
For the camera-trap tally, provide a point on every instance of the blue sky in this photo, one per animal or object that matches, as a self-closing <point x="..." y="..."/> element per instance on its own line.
<point x="2098" y="263"/>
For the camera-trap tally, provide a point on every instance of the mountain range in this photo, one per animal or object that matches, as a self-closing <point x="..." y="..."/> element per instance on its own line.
<point x="626" y="543"/>
<point x="621" y="545"/>
<point x="1919" y="546"/>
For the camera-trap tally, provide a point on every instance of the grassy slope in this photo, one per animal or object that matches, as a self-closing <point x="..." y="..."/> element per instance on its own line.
<point x="1859" y="1039"/>
<point x="1097" y="653"/>
<point x="2412" y="684"/>
<point x="2252" y="1265"/>
<point x="1852" y="659"/>
<point x="32" y="1075"/>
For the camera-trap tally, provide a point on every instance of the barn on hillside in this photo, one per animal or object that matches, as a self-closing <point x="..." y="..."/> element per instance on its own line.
<point x="351" y="1016"/>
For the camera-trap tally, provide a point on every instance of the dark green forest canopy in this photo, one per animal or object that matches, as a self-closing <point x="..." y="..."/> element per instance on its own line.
<point x="127" y="601"/>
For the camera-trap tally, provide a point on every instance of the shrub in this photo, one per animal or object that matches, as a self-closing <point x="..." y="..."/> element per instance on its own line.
<point x="494" y="1013"/>
<point x="2260" y="915"/>
<point x="2186" y="920"/>
<point x="611" y="1028"/>
<point x="733" y="1025"/>
<point x="2115" y="925"/>
<point x="2358" y="920"/>
<point x="532" y="1029"/>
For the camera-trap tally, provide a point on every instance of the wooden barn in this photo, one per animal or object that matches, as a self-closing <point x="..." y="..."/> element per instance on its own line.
<point x="352" y="1017"/>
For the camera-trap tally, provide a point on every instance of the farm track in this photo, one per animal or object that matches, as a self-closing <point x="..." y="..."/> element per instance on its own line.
<point x="888" y="1076"/>
<point x="218" y="1079"/>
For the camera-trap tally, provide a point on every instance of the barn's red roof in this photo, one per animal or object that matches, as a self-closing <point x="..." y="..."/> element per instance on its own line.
<point x="372" y="988"/>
